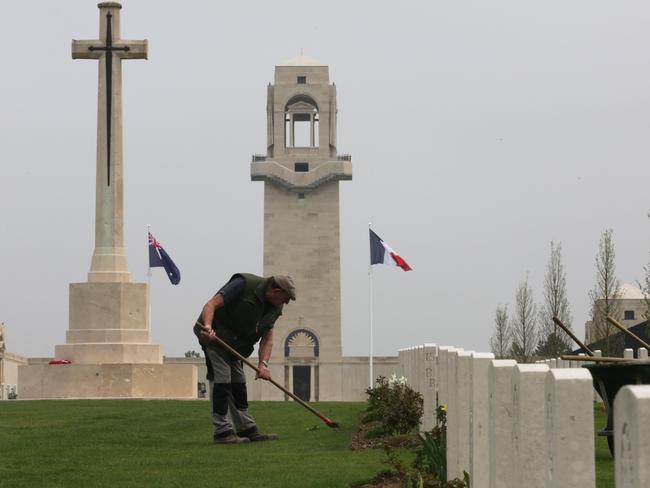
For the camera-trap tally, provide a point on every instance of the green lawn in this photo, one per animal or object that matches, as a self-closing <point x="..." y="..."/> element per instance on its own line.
<point x="169" y="443"/>
<point x="604" y="460"/>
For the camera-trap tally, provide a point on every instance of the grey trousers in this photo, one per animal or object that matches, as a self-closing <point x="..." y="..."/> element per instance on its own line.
<point x="228" y="396"/>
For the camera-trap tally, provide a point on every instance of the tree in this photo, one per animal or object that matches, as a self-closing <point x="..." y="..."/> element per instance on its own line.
<point x="192" y="354"/>
<point x="553" y="341"/>
<point x="501" y="340"/>
<point x="605" y="295"/>
<point x="645" y="288"/>
<point x="524" y="323"/>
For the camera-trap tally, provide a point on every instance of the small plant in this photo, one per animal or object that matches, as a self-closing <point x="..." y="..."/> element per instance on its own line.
<point x="395" y="405"/>
<point x="431" y="457"/>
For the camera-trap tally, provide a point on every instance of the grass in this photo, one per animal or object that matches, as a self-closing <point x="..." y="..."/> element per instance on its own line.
<point x="169" y="443"/>
<point x="133" y="443"/>
<point x="604" y="460"/>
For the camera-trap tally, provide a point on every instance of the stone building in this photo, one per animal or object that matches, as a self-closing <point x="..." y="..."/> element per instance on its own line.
<point x="301" y="171"/>
<point x="8" y="367"/>
<point x="631" y="307"/>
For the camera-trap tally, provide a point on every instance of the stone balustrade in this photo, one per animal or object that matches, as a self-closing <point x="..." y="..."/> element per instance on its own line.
<point x="511" y="425"/>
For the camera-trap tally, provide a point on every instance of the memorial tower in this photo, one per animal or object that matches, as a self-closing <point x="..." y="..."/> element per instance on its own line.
<point x="301" y="172"/>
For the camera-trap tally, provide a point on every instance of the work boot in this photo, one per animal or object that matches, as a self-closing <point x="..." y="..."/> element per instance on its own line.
<point x="229" y="437"/>
<point x="255" y="435"/>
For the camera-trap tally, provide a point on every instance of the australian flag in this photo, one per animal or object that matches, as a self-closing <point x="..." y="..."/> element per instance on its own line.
<point x="159" y="258"/>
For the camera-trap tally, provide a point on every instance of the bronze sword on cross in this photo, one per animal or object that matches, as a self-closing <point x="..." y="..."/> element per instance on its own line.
<point x="109" y="48"/>
<point x="114" y="50"/>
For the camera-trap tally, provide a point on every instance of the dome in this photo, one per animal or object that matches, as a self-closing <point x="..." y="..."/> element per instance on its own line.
<point x="630" y="292"/>
<point x="302" y="60"/>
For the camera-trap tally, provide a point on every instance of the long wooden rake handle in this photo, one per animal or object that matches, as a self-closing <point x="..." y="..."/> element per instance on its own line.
<point x="616" y="324"/>
<point x="329" y="422"/>
<point x="572" y="335"/>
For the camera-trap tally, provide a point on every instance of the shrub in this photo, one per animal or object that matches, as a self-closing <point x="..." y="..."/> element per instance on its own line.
<point x="395" y="405"/>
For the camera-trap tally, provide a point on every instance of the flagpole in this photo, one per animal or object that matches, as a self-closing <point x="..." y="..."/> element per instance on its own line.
<point x="149" y="274"/>
<point x="372" y="378"/>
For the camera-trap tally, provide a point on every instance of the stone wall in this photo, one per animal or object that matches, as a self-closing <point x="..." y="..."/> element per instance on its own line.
<point x="511" y="425"/>
<point x="9" y="364"/>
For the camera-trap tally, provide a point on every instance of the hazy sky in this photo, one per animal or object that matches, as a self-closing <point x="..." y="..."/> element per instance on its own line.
<point x="479" y="130"/>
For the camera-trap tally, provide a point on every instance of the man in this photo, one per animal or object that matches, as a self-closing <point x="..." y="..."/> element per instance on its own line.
<point x="242" y="312"/>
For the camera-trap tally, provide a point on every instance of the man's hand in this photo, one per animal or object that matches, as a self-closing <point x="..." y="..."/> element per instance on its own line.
<point x="207" y="333"/>
<point x="263" y="372"/>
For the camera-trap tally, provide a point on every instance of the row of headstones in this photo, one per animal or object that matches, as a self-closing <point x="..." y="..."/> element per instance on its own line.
<point x="642" y="355"/>
<point x="513" y="425"/>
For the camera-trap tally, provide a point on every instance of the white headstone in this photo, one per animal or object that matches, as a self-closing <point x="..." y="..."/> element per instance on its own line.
<point x="463" y="399"/>
<point x="628" y="353"/>
<point x="452" y="413"/>
<point x="400" y="358"/>
<point x="529" y="428"/>
<point x="429" y="392"/>
<point x="632" y="435"/>
<point x="420" y="369"/>
<point x="479" y="466"/>
<point x="441" y="374"/>
<point x="642" y="354"/>
<point x="500" y="372"/>
<point x="569" y="429"/>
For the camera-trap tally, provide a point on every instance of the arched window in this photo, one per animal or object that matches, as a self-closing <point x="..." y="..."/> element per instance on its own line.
<point x="301" y="122"/>
<point x="301" y="343"/>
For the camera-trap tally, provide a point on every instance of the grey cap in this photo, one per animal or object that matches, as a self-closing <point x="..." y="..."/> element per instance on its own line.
<point x="285" y="281"/>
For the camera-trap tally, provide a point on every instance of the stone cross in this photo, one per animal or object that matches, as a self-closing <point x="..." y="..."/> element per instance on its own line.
<point x="109" y="262"/>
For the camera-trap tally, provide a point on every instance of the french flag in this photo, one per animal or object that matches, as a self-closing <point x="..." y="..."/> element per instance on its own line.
<point x="382" y="253"/>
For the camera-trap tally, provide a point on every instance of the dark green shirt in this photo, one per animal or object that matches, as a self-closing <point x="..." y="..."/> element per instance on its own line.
<point x="245" y="316"/>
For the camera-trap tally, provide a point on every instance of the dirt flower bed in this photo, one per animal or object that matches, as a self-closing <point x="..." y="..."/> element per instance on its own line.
<point x="387" y="479"/>
<point x="360" y="441"/>
<point x="391" y="422"/>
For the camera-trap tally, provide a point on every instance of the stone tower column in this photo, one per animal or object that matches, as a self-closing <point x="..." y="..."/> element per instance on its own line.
<point x="109" y="262"/>
<point x="301" y="173"/>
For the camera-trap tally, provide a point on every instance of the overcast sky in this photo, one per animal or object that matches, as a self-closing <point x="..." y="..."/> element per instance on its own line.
<point x="480" y="131"/>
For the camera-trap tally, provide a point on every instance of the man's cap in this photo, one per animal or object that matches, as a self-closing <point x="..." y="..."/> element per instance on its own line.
<point x="285" y="281"/>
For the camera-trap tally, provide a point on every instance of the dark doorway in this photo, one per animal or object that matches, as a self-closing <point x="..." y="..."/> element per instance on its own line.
<point x="302" y="382"/>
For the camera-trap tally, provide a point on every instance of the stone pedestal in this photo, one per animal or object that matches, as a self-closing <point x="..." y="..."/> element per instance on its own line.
<point x="109" y="323"/>
<point x="107" y="381"/>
